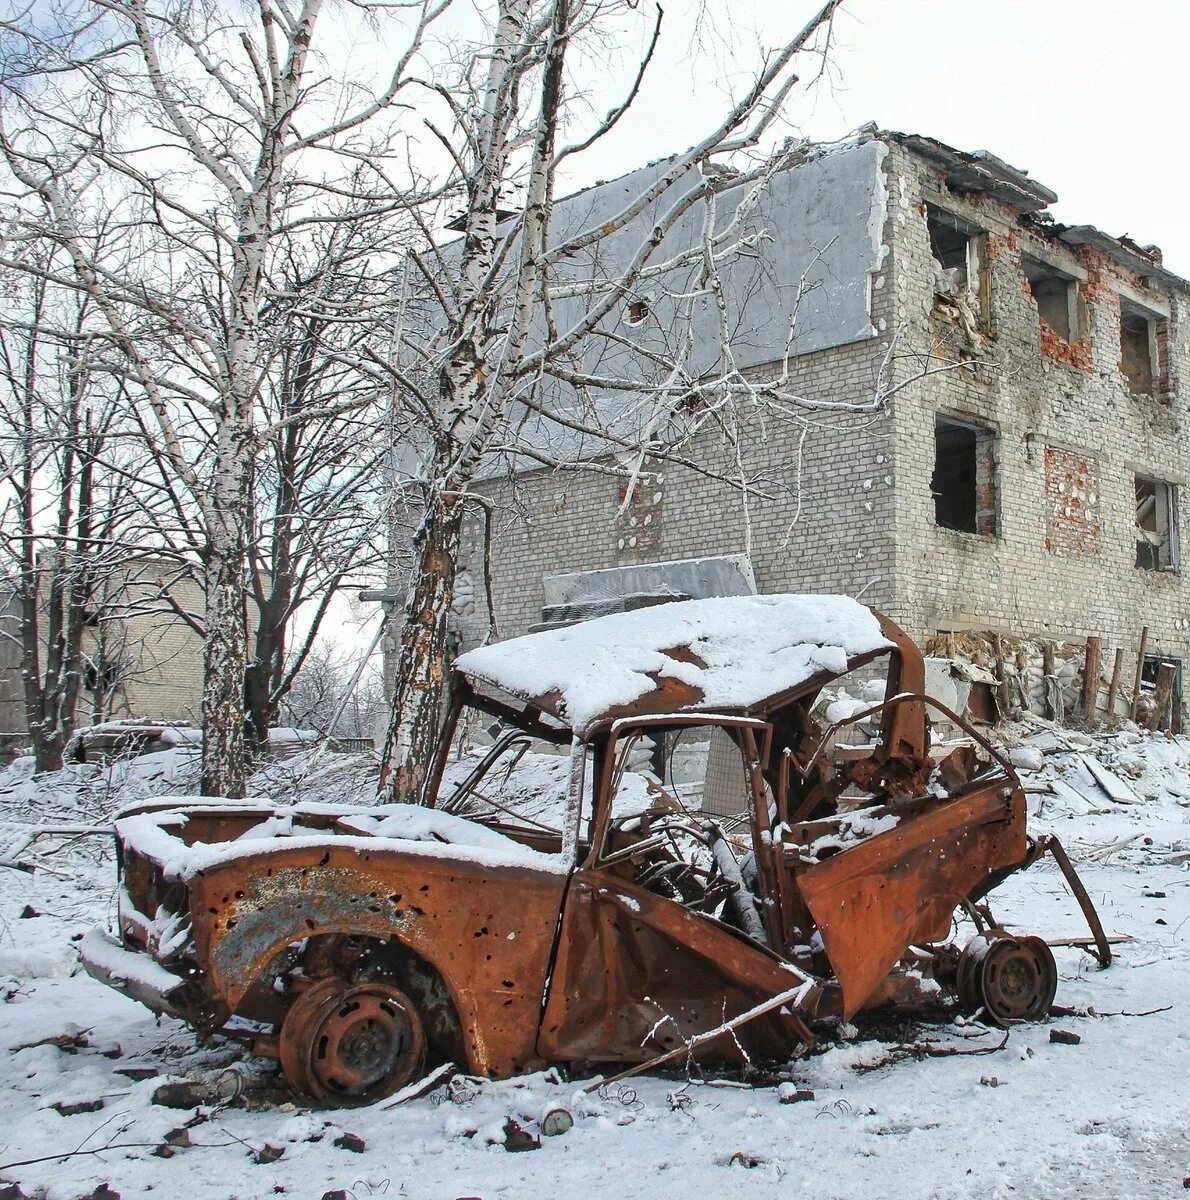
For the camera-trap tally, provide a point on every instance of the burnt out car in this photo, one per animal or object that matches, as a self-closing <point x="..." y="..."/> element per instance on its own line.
<point x="659" y="836"/>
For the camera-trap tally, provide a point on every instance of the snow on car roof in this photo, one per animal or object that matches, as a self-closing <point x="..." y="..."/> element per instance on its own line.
<point x="731" y="652"/>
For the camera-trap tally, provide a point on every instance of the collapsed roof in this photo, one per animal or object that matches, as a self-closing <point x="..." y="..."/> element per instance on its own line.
<point x="980" y="172"/>
<point x="726" y="654"/>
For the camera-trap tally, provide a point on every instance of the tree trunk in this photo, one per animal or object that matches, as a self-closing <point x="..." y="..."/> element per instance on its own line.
<point x="223" y="772"/>
<point x="225" y="646"/>
<point x="422" y="671"/>
<point x="258" y="701"/>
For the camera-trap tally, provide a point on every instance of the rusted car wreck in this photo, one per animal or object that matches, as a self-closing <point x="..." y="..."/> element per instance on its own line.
<point x="570" y="899"/>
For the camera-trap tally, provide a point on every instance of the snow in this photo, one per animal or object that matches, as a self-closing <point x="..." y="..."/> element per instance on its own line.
<point x="1103" y="1119"/>
<point x="749" y="648"/>
<point x="393" y="829"/>
<point x="106" y="954"/>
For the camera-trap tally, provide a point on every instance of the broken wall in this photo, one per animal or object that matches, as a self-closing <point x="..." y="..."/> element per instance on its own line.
<point x="843" y="502"/>
<point x="1072" y="435"/>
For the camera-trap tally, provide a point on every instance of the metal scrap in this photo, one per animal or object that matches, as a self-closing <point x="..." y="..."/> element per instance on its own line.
<point x="666" y="935"/>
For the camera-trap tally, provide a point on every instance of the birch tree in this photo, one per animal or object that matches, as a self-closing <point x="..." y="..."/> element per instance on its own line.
<point x="517" y="306"/>
<point x="317" y="491"/>
<point x="219" y="136"/>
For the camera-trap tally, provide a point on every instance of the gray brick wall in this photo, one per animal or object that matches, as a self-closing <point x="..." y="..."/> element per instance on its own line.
<point x="1022" y="580"/>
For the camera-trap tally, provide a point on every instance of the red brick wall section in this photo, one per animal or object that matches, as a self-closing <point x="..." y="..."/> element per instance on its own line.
<point x="1072" y="496"/>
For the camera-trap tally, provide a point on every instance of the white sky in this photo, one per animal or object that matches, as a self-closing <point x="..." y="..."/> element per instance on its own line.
<point x="1089" y="97"/>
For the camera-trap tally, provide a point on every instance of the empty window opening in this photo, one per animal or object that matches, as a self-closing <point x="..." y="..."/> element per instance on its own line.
<point x="1057" y="298"/>
<point x="948" y="241"/>
<point x="964" y="479"/>
<point x="1141" y="337"/>
<point x="1156" y="524"/>
<point x="958" y="253"/>
<point x="961" y="293"/>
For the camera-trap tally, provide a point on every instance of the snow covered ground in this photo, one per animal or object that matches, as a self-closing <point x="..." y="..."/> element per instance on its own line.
<point x="893" y="1114"/>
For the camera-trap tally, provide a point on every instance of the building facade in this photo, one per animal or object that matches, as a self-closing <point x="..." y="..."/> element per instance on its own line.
<point x="143" y="658"/>
<point x="1009" y="457"/>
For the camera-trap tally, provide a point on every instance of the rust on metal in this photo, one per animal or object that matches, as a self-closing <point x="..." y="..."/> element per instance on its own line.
<point x="626" y="919"/>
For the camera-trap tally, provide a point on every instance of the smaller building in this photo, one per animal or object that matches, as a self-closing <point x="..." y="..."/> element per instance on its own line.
<point x="142" y="643"/>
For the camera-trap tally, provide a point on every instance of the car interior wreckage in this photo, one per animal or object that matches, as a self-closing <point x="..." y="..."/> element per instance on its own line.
<point x="656" y="841"/>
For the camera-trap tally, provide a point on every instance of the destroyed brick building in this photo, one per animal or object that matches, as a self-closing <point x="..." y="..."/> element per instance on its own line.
<point x="1025" y="479"/>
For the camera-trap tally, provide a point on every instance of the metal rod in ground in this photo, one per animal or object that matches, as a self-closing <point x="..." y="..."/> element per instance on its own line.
<point x="699" y="1039"/>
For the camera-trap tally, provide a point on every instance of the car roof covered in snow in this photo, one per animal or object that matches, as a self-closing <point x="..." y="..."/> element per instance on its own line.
<point x="719" y="655"/>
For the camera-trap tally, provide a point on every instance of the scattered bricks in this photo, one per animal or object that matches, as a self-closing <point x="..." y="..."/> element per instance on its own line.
<point x="102" y="1192"/>
<point x="1063" y="1037"/>
<point x="268" y="1153"/>
<point x="351" y="1142"/>
<point x="337" y="1194"/>
<point x="518" y="1139"/>
<point x="789" y="1093"/>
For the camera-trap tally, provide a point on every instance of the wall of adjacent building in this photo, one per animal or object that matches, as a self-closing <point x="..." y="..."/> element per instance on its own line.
<point x="155" y="654"/>
<point x="159" y="654"/>
<point x="818" y="515"/>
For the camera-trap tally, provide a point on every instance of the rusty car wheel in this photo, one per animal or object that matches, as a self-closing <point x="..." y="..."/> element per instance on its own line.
<point x="1011" y="979"/>
<point x="351" y="1043"/>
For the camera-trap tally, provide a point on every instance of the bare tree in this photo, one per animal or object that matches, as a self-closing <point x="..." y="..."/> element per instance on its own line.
<point x="520" y="314"/>
<point x="219" y="138"/>
<point x="317" y="490"/>
<point x="63" y="508"/>
<point x="327" y="696"/>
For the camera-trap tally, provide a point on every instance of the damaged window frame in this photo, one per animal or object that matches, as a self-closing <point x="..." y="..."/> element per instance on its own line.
<point x="973" y="519"/>
<point x="1150" y="681"/>
<point x="1139" y="322"/>
<point x="1058" y="295"/>
<point x="957" y="244"/>
<point x="1156" y="548"/>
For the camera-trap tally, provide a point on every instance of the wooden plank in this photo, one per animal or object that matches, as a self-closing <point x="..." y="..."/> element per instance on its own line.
<point x="1114" y="687"/>
<point x="1167" y="675"/>
<point x="1002" y="693"/>
<point x="1091" y="679"/>
<point x="1047" y="671"/>
<point x="1140" y="670"/>
<point x="1111" y="783"/>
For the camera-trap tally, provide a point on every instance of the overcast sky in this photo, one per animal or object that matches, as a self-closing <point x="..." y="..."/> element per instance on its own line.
<point x="1089" y="97"/>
